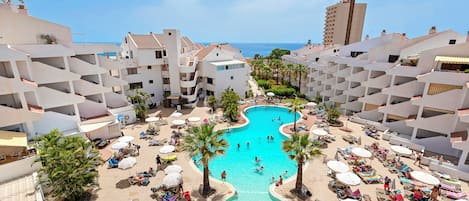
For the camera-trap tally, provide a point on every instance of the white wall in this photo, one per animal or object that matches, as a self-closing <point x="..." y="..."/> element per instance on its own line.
<point x="18" y="168"/>
<point x="238" y="83"/>
<point x="51" y="120"/>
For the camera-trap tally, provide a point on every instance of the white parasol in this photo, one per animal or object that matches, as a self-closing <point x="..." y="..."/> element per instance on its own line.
<point x="360" y="152"/>
<point x="270" y="94"/>
<point x="178" y="122"/>
<point x="194" y="119"/>
<point x="127" y="163"/>
<point x="172" y="180"/>
<point x="119" y="145"/>
<point x="338" y="166"/>
<point x="311" y="104"/>
<point x="424" y="178"/>
<point x="125" y="139"/>
<point x="167" y="149"/>
<point x="152" y="119"/>
<point x="348" y="199"/>
<point x="348" y="178"/>
<point x="176" y="114"/>
<point x="173" y="169"/>
<point x="319" y="132"/>
<point x="401" y="150"/>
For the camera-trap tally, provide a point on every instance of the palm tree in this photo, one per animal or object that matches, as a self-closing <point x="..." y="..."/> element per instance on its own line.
<point x="212" y="102"/>
<point x="301" y="149"/>
<point x="266" y="70"/>
<point x="276" y="63"/>
<point x="300" y="68"/>
<point x="290" y="69"/>
<point x="229" y="102"/>
<point x="69" y="165"/>
<point x="257" y="64"/>
<point x="203" y="142"/>
<point x="283" y="69"/>
<point x="140" y="99"/>
<point x="295" y="106"/>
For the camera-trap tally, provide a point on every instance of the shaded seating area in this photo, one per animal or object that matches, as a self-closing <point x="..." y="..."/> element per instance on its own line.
<point x="14" y="146"/>
<point x="367" y="174"/>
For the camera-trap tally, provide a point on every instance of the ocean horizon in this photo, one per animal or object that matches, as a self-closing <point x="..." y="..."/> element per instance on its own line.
<point x="247" y="49"/>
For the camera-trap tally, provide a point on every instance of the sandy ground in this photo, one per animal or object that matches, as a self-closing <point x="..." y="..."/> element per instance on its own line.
<point x="315" y="175"/>
<point x="113" y="182"/>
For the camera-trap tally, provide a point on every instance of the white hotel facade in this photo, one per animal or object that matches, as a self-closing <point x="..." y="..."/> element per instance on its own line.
<point x="416" y="87"/>
<point x="171" y="68"/>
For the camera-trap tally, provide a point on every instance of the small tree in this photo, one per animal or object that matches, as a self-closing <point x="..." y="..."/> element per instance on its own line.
<point x="204" y="143"/>
<point x="300" y="70"/>
<point x="140" y="99"/>
<point x="69" y="165"/>
<point x="212" y="102"/>
<point x="229" y="101"/>
<point x="332" y="114"/>
<point x="300" y="149"/>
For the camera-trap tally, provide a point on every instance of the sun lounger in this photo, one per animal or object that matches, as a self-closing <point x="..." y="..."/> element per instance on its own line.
<point x="169" y="159"/>
<point x="156" y="142"/>
<point x="143" y="135"/>
<point x="449" y="187"/>
<point x="372" y="179"/>
<point x="455" y="196"/>
<point x="349" y="138"/>
<point x="113" y="163"/>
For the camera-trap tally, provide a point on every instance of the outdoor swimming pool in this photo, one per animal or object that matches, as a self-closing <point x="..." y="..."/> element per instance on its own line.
<point x="240" y="165"/>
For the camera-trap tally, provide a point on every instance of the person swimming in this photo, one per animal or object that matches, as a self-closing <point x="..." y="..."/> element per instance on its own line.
<point x="257" y="160"/>
<point x="260" y="169"/>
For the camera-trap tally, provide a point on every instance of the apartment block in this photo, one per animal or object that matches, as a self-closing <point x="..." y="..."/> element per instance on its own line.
<point x="335" y="25"/>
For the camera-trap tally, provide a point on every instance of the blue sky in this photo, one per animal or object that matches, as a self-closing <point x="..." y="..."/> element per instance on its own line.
<point x="242" y="20"/>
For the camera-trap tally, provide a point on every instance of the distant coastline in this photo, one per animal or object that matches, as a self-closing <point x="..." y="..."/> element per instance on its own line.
<point x="248" y="49"/>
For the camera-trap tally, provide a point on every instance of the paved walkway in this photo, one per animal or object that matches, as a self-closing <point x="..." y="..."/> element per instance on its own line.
<point x="256" y="90"/>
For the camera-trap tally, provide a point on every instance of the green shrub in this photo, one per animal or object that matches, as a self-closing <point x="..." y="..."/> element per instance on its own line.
<point x="264" y="84"/>
<point x="300" y="95"/>
<point x="282" y="91"/>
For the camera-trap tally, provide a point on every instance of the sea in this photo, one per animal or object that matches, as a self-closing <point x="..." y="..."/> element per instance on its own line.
<point x="250" y="49"/>
<point x="264" y="49"/>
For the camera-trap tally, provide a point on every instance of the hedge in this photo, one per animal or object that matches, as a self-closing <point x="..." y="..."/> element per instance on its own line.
<point x="282" y="91"/>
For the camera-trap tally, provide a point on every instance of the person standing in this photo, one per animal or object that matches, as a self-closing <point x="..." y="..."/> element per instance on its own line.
<point x="435" y="193"/>
<point x="223" y="175"/>
<point x="158" y="159"/>
<point x="387" y="180"/>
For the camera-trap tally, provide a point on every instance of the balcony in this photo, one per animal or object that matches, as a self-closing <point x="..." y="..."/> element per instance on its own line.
<point x="52" y="120"/>
<point x="339" y="99"/>
<point x="372" y="115"/>
<point x="448" y="78"/>
<point x="50" y="98"/>
<point x="13" y="85"/>
<point x="188" y="64"/>
<point x="109" y="81"/>
<point x="91" y="110"/>
<point x="85" y="88"/>
<point x="330" y="81"/>
<point x="439" y="124"/>
<point x="18" y="115"/>
<point x="191" y="82"/>
<point x="404" y="109"/>
<point x="329" y="93"/>
<point x="341" y="86"/>
<point x="404" y="71"/>
<point x="378" y="66"/>
<point x="84" y="68"/>
<point x="441" y="100"/>
<point x="44" y="74"/>
<point x="400" y="127"/>
<point x="355" y="106"/>
<point x="380" y="82"/>
<point x="193" y="95"/>
<point x="114" y="100"/>
<point x="344" y="72"/>
<point x="358" y="91"/>
<point x="375" y="99"/>
<point x="115" y="64"/>
<point x="408" y="90"/>
<point x="358" y="77"/>
<point x="464" y="115"/>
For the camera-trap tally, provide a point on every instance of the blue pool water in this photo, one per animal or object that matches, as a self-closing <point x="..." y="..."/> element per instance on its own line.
<point x="240" y="165"/>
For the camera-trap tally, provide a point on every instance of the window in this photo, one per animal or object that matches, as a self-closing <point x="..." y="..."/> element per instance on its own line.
<point x="136" y="85"/>
<point x="164" y="53"/>
<point x="150" y="81"/>
<point x="132" y="71"/>
<point x="166" y="93"/>
<point x="231" y="77"/>
<point x="169" y="33"/>
<point x="152" y="95"/>
<point x="393" y="58"/>
<point x="210" y="80"/>
<point x="166" y="81"/>
<point x="452" y="41"/>
<point x="217" y="54"/>
<point x="158" y="54"/>
<point x="355" y="54"/>
<point x="131" y="54"/>
<point x="149" y="67"/>
<point x="226" y="67"/>
<point x="125" y="40"/>
<point x="210" y="93"/>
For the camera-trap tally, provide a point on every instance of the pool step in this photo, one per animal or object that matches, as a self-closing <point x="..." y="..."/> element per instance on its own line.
<point x="253" y="192"/>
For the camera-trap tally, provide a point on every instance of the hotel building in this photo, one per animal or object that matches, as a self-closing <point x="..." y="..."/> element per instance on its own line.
<point x="335" y="25"/>
<point x="175" y="71"/>
<point x="415" y="87"/>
